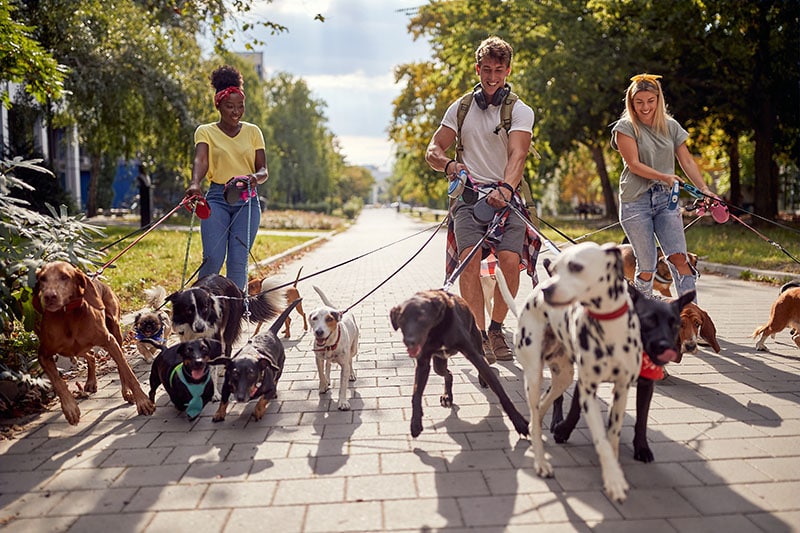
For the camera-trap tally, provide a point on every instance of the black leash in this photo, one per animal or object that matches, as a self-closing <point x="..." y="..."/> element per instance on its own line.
<point x="463" y="264"/>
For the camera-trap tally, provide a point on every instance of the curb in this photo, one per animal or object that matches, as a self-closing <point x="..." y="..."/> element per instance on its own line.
<point x="748" y="274"/>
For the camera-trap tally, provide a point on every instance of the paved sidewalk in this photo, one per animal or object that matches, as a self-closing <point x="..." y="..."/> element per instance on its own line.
<point x="725" y="429"/>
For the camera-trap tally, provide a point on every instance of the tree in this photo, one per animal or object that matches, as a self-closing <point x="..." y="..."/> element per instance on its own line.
<point x="24" y="60"/>
<point x="302" y="143"/>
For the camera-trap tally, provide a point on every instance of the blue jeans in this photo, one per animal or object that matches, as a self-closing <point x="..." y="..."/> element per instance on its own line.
<point x="226" y="234"/>
<point x="652" y="219"/>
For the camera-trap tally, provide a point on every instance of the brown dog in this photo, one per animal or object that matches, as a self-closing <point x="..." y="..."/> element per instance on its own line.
<point x="662" y="281"/>
<point x="78" y="314"/>
<point x="696" y="324"/>
<point x="785" y="313"/>
<point x="255" y="286"/>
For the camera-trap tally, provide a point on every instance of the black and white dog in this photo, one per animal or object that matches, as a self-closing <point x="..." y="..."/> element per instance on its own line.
<point x="254" y="371"/>
<point x="582" y="314"/>
<point x="214" y="307"/>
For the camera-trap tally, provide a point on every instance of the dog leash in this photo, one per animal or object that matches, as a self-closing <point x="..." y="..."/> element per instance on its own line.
<point x="401" y="267"/>
<point x="463" y="264"/>
<point x="348" y="261"/>
<point x="139" y="238"/>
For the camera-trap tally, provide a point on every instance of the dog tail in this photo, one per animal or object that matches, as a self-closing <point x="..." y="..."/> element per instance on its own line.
<point x="760" y="330"/>
<point x="501" y="284"/>
<point x="155" y="296"/>
<point x="296" y="279"/>
<point x="278" y="324"/>
<point x="267" y="303"/>
<point x="323" y="297"/>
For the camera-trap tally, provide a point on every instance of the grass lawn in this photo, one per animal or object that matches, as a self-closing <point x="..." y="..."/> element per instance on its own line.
<point x="730" y="243"/>
<point x="160" y="257"/>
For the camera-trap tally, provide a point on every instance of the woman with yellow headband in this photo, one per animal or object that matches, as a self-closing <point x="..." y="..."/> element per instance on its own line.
<point x="229" y="151"/>
<point x="649" y="140"/>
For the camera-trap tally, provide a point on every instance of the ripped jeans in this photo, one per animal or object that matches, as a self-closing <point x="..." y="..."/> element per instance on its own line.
<point x="646" y="219"/>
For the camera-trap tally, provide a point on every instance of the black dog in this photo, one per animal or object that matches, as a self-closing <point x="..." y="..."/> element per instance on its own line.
<point x="660" y="328"/>
<point x="255" y="369"/>
<point x="213" y="308"/>
<point x="436" y="324"/>
<point x="183" y="369"/>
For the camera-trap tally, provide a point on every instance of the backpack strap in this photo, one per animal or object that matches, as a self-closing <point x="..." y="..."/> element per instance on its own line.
<point x="506" y="109"/>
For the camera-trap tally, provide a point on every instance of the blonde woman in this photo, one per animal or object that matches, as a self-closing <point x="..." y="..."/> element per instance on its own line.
<point x="649" y="141"/>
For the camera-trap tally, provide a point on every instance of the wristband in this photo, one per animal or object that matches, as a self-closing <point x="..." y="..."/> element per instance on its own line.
<point x="507" y="186"/>
<point x="448" y="164"/>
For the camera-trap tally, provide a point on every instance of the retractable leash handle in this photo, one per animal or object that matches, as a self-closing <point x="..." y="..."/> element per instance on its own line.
<point x="457" y="184"/>
<point x="674" y="195"/>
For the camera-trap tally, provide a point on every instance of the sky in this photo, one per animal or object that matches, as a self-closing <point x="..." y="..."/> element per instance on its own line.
<point x="347" y="61"/>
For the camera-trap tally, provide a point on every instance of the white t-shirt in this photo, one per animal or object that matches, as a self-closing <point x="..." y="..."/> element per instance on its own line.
<point x="486" y="153"/>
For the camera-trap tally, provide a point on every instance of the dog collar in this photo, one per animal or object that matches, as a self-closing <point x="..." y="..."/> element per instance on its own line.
<point x="332" y="346"/>
<point x="662" y="279"/>
<point x="610" y="316"/>
<point x="73" y="305"/>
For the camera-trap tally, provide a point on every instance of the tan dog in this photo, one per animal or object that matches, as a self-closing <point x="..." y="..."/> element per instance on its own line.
<point x="152" y="323"/>
<point x="335" y="341"/>
<point x="696" y="325"/>
<point x="785" y="313"/>
<point x="78" y="314"/>
<point x="662" y="281"/>
<point x="255" y="286"/>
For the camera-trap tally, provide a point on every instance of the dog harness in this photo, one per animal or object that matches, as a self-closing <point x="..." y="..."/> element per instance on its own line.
<point x="195" y="405"/>
<point x="158" y="336"/>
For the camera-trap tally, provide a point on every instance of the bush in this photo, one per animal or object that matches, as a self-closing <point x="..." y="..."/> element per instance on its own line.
<point x="29" y="238"/>
<point x="352" y="207"/>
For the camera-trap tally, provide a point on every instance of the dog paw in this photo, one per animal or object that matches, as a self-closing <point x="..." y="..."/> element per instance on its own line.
<point x="446" y="401"/>
<point x="761" y="348"/>
<point x="416" y="428"/>
<point x="616" y="489"/>
<point x="71" y="412"/>
<point x="344" y="406"/>
<point x="543" y="467"/>
<point x="145" y="406"/>
<point x="323" y="390"/>
<point x="90" y="387"/>
<point x="643" y="454"/>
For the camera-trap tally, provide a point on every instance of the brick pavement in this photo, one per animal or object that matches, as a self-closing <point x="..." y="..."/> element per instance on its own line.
<point x="725" y="429"/>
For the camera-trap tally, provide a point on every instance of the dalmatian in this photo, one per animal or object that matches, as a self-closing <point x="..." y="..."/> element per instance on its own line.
<point x="582" y="314"/>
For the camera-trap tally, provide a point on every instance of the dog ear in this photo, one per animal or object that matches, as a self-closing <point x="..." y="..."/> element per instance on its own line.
<point x="137" y="318"/>
<point x="546" y="262"/>
<point x="265" y="362"/>
<point x="394" y="316"/>
<point x="90" y="293"/>
<point x="685" y="298"/>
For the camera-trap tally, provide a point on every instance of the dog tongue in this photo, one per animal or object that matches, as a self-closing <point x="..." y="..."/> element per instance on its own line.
<point x="413" y="351"/>
<point x="668" y="356"/>
<point x="198" y="374"/>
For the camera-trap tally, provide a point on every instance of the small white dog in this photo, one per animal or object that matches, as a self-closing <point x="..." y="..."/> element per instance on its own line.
<point x="335" y="340"/>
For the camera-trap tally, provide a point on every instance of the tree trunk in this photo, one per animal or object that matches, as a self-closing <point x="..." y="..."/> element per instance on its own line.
<point x="765" y="201"/>
<point x="608" y="191"/>
<point x="733" y="160"/>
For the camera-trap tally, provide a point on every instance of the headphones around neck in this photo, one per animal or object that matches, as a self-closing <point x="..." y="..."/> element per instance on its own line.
<point x="497" y="98"/>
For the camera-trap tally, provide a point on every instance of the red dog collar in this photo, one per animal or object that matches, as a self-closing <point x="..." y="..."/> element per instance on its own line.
<point x="333" y="346"/>
<point x="610" y="316"/>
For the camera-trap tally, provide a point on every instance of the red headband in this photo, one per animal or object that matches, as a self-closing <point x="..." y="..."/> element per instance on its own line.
<point x="224" y="93"/>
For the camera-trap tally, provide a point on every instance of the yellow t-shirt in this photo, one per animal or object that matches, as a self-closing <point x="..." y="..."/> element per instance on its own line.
<point x="230" y="156"/>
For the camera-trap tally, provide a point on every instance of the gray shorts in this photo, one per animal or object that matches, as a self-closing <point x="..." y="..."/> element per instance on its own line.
<point x="469" y="232"/>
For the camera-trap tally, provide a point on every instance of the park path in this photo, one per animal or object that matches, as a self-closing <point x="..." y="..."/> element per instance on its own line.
<point x="725" y="430"/>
